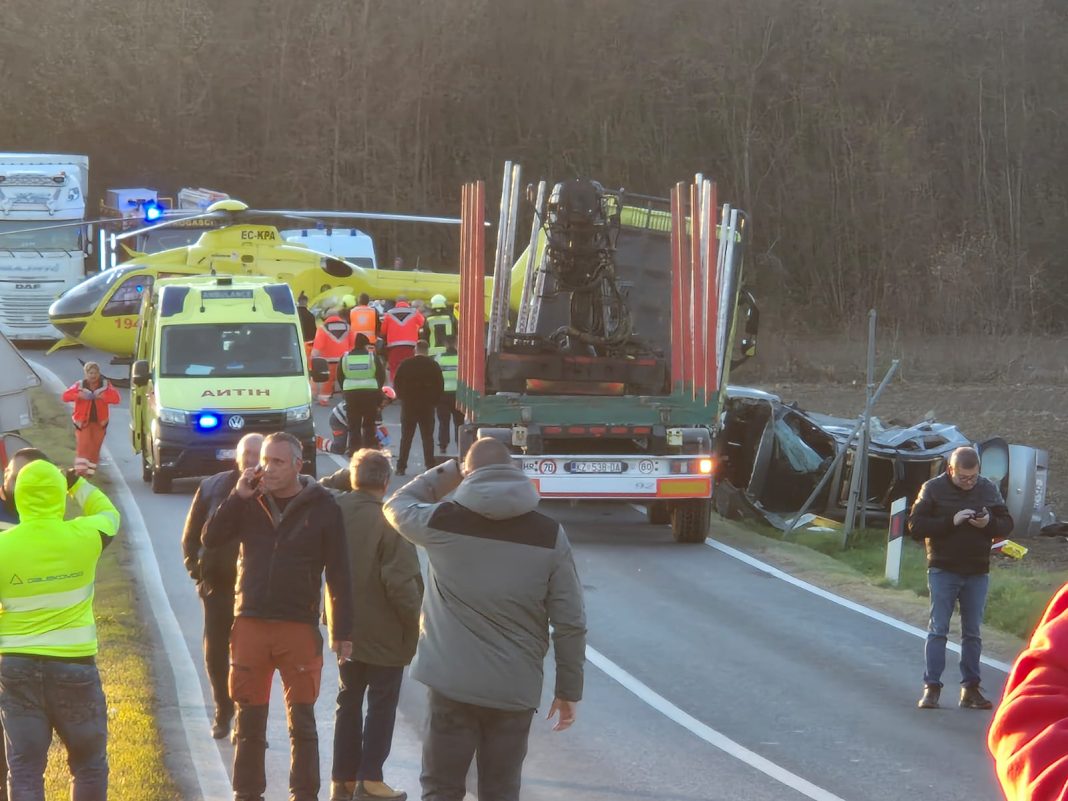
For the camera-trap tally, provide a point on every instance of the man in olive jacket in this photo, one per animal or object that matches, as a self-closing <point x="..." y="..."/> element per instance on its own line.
<point x="501" y="574"/>
<point x="387" y="589"/>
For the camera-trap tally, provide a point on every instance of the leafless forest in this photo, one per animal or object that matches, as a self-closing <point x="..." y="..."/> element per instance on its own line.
<point x="903" y="154"/>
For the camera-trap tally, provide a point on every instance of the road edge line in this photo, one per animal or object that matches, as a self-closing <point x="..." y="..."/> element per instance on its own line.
<point x="212" y="778"/>
<point x="705" y="732"/>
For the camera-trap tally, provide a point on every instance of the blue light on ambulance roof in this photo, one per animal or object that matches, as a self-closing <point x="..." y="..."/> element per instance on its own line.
<point x="208" y="421"/>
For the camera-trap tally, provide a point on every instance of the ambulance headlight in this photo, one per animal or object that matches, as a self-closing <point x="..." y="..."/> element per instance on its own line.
<point x="176" y="417"/>
<point x="298" y="414"/>
<point x="208" y="421"/>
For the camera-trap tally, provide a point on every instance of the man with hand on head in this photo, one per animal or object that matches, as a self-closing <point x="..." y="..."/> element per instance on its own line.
<point x="215" y="572"/>
<point x="502" y="580"/>
<point x="958" y="514"/>
<point x="290" y="531"/>
<point x="49" y="680"/>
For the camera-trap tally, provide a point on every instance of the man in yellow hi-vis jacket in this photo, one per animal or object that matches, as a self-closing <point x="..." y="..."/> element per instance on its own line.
<point x="48" y="676"/>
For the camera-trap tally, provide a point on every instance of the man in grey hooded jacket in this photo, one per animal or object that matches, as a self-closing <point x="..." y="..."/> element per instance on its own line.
<point x="500" y="575"/>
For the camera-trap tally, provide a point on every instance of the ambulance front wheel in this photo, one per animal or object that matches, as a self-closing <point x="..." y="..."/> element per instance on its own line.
<point x="161" y="481"/>
<point x="146" y="471"/>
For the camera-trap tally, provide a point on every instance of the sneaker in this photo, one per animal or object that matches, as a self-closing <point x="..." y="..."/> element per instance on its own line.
<point x="971" y="698"/>
<point x="342" y="791"/>
<point x="220" y="727"/>
<point x="930" y="696"/>
<point x="377" y="791"/>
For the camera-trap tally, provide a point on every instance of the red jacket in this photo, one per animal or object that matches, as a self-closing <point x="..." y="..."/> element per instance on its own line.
<point x="1029" y="733"/>
<point x="401" y="325"/>
<point x="106" y="394"/>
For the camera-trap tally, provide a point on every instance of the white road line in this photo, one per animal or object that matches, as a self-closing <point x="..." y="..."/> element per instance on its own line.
<point x="845" y="602"/>
<point x="900" y="625"/>
<point x="204" y="753"/>
<point x="714" y="738"/>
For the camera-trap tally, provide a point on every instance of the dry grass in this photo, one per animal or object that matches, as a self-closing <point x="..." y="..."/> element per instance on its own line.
<point x="135" y="750"/>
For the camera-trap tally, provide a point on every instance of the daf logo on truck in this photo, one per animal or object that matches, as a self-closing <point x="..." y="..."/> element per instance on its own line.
<point x="27" y="286"/>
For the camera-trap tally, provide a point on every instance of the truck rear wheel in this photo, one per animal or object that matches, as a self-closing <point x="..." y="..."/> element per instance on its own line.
<point x="690" y="520"/>
<point x="161" y="481"/>
<point x="658" y="513"/>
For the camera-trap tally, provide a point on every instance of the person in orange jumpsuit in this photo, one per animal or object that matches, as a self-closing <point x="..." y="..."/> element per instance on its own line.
<point x="400" y="330"/>
<point x="91" y="397"/>
<point x="332" y="341"/>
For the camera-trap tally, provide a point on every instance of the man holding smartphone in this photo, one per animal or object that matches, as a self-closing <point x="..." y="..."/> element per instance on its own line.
<point x="958" y="514"/>
<point x="290" y="532"/>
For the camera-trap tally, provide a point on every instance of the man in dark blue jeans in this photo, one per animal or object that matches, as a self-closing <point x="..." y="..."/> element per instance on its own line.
<point x="387" y="590"/>
<point x="958" y="514"/>
<point x="48" y="676"/>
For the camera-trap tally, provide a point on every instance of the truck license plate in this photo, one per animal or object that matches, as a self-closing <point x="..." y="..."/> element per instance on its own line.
<point x="596" y="467"/>
<point x="225" y="454"/>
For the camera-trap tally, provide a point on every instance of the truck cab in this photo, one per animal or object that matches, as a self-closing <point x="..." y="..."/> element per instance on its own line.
<point x="216" y="357"/>
<point x="40" y="258"/>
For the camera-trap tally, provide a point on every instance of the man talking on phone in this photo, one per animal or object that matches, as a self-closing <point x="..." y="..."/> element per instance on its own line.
<point x="290" y="532"/>
<point x="958" y="514"/>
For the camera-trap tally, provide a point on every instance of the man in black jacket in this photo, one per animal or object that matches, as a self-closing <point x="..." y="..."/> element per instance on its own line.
<point x="419" y="385"/>
<point x="215" y="572"/>
<point x="290" y="531"/>
<point x="958" y="514"/>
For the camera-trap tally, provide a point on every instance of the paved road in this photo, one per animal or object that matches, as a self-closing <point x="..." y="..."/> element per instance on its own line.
<point x="735" y="685"/>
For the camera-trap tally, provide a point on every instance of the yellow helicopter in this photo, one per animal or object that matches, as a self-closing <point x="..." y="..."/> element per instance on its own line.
<point x="102" y="311"/>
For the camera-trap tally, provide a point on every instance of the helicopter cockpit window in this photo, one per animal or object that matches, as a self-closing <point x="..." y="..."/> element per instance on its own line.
<point x="127" y="298"/>
<point x="86" y="295"/>
<point x="234" y="349"/>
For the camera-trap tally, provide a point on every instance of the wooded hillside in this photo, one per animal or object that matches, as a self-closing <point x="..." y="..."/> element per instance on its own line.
<point x="903" y="154"/>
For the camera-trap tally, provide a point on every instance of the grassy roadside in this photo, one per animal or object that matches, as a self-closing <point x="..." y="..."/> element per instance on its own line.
<point x="1019" y="591"/>
<point x="135" y="750"/>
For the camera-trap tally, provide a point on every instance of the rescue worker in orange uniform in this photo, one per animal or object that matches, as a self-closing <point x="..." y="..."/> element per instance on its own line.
<point x="363" y="319"/>
<point x="400" y="330"/>
<point x="332" y="341"/>
<point x="91" y="398"/>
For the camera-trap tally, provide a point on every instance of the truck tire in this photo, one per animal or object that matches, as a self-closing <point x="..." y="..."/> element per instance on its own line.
<point x="161" y="481"/>
<point x="146" y="471"/>
<point x="690" y="520"/>
<point x="658" y="513"/>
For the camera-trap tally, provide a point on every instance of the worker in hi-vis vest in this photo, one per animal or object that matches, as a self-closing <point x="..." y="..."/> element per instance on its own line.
<point x="440" y="325"/>
<point x="48" y="676"/>
<point x="363" y="319"/>
<point x="332" y="341"/>
<point x="362" y="376"/>
<point x="400" y="330"/>
<point x="449" y="417"/>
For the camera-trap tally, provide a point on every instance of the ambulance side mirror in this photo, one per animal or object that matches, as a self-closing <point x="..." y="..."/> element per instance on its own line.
<point x="139" y="373"/>
<point x="320" y="370"/>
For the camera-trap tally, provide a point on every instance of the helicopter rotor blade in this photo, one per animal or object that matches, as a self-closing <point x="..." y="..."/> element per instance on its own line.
<point x="209" y="215"/>
<point x="360" y="215"/>
<point x="175" y="213"/>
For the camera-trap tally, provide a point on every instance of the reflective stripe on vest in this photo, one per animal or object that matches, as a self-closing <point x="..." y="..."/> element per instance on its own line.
<point x="449" y="366"/>
<point x="359" y="371"/>
<point x="81" y="635"/>
<point x="51" y="600"/>
<point x="404" y="324"/>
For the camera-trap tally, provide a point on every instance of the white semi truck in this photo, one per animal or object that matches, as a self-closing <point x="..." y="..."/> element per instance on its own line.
<point x="39" y="259"/>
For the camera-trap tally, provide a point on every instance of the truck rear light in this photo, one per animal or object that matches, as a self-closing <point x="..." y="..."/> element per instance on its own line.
<point x="680" y="466"/>
<point x="705" y="466"/>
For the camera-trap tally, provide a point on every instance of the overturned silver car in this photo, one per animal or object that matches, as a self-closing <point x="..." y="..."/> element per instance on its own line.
<point x="773" y="455"/>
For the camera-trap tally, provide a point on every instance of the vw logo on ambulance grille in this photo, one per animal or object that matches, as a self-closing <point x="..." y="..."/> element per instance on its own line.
<point x="236" y="422"/>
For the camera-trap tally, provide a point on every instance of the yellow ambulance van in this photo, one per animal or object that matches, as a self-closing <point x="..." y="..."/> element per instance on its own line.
<point x="217" y="357"/>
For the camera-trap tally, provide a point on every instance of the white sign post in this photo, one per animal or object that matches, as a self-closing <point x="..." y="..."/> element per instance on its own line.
<point x="894" y="541"/>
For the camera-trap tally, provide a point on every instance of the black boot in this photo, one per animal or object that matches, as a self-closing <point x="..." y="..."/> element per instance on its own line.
<point x="930" y="696"/>
<point x="303" y="753"/>
<point x="971" y="698"/>
<point x="220" y="727"/>
<point x="250" y="741"/>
